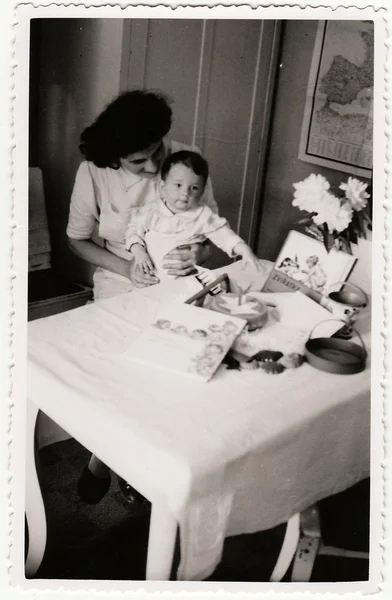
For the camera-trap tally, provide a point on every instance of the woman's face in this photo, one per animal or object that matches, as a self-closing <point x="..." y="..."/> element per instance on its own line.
<point x="145" y="163"/>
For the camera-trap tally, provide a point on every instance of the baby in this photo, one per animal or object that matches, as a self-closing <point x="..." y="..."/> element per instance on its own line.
<point x="178" y="217"/>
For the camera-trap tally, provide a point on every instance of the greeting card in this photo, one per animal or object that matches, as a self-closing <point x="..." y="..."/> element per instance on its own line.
<point x="187" y="340"/>
<point x="304" y="264"/>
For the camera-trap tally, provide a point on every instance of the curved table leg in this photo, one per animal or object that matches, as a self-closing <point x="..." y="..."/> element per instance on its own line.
<point x="161" y="543"/>
<point x="34" y="505"/>
<point x="288" y="549"/>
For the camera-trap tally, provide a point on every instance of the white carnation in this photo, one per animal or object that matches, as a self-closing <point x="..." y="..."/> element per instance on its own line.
<point x="356" y="194"/>
<point x="308" y="193"/>
<point x="337" y="216"/>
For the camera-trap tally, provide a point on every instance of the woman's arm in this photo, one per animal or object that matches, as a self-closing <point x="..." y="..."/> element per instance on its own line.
<point x="100" y="257"/>
<point x="182" y="260"/>
<point x="83" y="216"/>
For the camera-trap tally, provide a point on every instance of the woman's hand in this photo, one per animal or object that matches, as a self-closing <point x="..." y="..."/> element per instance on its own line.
<point x="182" y="260"/>
<point x="137" y="276"/>
<point x="96" y="255"/>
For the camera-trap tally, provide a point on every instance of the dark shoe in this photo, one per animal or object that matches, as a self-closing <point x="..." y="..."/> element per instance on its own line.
<point x="138" y="503"/>
<point x="91" y="488"/>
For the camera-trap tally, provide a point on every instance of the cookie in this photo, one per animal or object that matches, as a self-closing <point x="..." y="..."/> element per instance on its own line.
<point x="249" y="365"/>
<point x="292" y="361"/>
<point x="272" y="368"/>
<point x="268" y="356"/>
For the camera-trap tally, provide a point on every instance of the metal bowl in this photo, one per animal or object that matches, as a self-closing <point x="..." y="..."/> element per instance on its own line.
<point x="348" y="297"/>
<point x="335" y="355"/>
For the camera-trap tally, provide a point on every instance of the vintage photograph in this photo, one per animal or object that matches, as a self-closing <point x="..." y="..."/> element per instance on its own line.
<point x="159" y="159"/>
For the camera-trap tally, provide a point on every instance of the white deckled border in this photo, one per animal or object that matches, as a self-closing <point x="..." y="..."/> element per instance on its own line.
<point x="381" y="250"/>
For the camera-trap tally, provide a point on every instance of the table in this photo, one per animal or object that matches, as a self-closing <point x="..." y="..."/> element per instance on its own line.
<point x="242" y="453"/>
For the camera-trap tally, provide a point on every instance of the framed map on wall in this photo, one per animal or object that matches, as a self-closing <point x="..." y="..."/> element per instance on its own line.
<point x="337" y="129"/>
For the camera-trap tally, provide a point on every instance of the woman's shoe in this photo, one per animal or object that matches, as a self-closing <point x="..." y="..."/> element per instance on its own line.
<point x="138" y="503"/>
<point x="91" y="488"/>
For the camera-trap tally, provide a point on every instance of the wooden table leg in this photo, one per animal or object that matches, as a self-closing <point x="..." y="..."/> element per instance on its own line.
<point x="161" y="543"/>
<point x="34" y="505"/>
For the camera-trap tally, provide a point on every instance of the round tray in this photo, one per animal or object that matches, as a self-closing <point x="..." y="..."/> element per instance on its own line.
<point x="335" y="356"/>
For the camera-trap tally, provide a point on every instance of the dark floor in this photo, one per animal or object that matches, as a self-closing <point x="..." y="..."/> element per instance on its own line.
<point x="107" y="541"/>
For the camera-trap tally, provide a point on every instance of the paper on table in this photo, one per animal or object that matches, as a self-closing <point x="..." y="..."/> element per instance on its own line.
<point x="175" y="290"/>
<point x="300" y="311"/>
<point x="289" y="325"/>
<point x="186" y="339"/>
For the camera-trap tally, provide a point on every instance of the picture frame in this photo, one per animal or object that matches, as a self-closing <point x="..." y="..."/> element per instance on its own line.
<point x="337" y="127"/>
<point x="304" y="264"/>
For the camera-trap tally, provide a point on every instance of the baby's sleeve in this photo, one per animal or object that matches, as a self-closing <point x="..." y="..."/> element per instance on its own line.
<point x="83" y="210"/>
<point x="218" y="230"/>
<point x="138" y="227"/>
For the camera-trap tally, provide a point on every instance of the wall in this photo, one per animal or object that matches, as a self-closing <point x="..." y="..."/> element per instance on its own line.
<point x="217" y="74"/>
<point x="283" y="166"/>
<point x="80" y="63"/>
<point x="79" y="72"/>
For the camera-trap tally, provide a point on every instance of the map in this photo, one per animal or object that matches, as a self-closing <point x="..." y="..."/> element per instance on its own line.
<point x="340" y="111"/>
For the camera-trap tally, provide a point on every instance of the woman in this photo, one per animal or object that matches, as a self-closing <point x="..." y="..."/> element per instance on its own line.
<point x="124" y="149"/>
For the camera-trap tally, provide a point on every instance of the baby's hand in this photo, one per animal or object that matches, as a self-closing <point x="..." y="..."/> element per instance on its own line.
<point x="254" y="262"/>
<point x="143" y="262"/>
<point x="249" y="257"/>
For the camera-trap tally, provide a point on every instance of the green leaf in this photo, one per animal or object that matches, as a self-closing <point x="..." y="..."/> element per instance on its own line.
<point x="328" y="239"/>
<point x="345" y="243"/>
<point x="366" y="224"/>
<point x="304" y="221"/>
<point x="367" y="220"/>
<point x="353" y="236"/>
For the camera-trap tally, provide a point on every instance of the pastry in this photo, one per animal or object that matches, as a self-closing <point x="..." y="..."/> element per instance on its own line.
<point x="250" y="365"/>
<point x="272" y="368"/>
<point x="292" y="361"/>
<point x="268" y="356"/>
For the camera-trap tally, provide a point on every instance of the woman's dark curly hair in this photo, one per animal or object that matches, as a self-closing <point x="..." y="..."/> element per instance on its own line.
<point x="132" y="122"/>
<point x="190" y="159"/>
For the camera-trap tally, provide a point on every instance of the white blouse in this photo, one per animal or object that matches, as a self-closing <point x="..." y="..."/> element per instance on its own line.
<point x="107" y="198"/>
<point x="104" y="200"/>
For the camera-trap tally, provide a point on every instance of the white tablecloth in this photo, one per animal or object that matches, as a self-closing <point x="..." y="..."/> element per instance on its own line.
<point x="236" y="455"/>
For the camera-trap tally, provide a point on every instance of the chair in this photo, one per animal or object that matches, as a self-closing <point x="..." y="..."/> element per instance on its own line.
<point x="49" y="291"/>
<point x="303" y="543"/>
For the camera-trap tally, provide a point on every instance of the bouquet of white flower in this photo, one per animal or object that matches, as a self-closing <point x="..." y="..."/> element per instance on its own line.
<point x="335" y="220"/>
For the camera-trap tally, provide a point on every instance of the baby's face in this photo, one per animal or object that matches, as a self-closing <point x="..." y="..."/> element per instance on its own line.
<point x="182" y="188"/>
